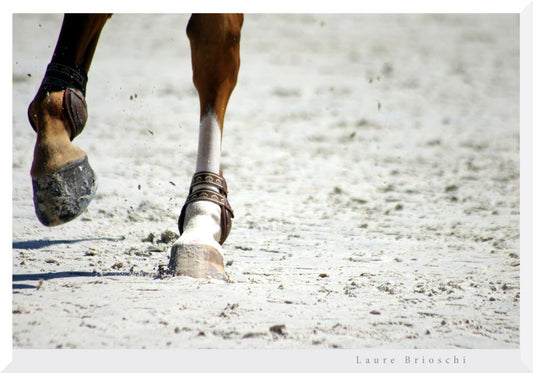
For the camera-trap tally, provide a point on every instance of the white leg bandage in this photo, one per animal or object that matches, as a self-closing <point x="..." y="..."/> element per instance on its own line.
<point x="202" y="218"/>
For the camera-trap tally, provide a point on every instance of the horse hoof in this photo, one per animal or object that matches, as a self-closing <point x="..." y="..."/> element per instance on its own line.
<point x="63" y="195"/>
<point x="196" y="260"/>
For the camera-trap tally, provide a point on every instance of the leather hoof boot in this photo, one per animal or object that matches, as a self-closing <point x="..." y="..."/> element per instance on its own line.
<point x="206" y="194"/>
<point x="72" y="82"/>
<point x="64" y="194"/>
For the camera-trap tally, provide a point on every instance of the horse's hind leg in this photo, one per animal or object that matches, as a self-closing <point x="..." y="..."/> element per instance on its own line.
<point x="205" y="220"/>
<point x="63" y="181"/>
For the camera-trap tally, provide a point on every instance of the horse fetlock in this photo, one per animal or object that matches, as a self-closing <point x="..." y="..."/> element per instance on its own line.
<point x="61" y="113"/>
<point x="202" y="223"/>
<point x="197" y="253"/>
<point x="53" y="147"/>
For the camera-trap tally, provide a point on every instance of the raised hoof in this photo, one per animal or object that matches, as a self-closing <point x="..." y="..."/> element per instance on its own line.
<point x="196" y="260"/>
<point x="63" y="195"/>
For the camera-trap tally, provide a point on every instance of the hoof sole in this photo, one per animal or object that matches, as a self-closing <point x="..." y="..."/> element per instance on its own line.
<point x="198" y="261"/>
<point x="63" y="195"/>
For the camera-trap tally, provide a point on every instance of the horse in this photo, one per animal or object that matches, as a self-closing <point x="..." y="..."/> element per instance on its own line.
<point x="62" y="179"/>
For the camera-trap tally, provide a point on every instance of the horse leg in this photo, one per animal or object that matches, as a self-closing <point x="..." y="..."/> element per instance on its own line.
<point x="205" y="219"/>
<point x="63" y="181"/>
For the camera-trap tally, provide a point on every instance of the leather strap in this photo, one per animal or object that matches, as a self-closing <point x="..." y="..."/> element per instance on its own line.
<point x="76" y="108"/>
<point x="210" y="178"/>
<point x="206" y="194"/>
<point x="59" y="77"/>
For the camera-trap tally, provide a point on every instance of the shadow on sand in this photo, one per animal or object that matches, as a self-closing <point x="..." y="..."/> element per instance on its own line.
<point x="39" y="244"/>
<point x="56" y="275"/>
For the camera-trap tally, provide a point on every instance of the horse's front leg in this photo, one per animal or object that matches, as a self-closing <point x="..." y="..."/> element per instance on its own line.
<point x="63" y="181"/>
<point x="205" y="219"/>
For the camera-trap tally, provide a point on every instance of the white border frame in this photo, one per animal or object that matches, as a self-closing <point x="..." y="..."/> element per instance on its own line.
<point x="259" y="360"/>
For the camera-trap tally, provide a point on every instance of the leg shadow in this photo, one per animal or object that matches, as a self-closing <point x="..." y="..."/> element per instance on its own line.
<point x="55" y="275"/>
<point x="39" y="244"/>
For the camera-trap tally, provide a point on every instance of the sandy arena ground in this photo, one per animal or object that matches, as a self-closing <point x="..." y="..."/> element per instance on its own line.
<point x="372" y="161"/>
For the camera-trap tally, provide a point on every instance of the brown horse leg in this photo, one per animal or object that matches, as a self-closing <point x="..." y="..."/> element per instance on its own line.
<point x="214" y="40"/>
<point x="58" y="113"/>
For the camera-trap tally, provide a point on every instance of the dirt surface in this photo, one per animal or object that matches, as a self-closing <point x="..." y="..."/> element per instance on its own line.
<point x="372" y="161"/>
